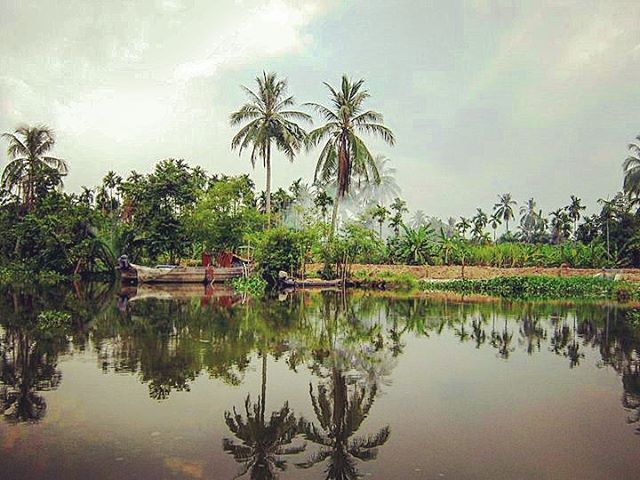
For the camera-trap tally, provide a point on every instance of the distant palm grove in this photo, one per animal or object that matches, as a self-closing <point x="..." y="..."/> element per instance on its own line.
<point x="350" y="211"/>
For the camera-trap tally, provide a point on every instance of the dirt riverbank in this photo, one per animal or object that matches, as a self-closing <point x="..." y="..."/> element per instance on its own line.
<point x="443" y="272"/>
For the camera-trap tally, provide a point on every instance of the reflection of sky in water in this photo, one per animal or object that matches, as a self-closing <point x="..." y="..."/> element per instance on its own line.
<point x="455" y="405"/>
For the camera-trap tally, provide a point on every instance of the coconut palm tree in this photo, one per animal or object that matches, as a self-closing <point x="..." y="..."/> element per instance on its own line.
<point x="573" y="209"/>
<point x="419" y="219"/>
<point x="380" y="213"/>
<point x="385" y="190"/>
<point x="561" y="224"/>
<point x="463" y="225"/>
<point x="322" y="201"/>
<point x="494" y="221"/>
<point x="399" y="207"/>
<point x="529" y="219"/>
<point x="504" y="208"/>
<point x="479" y="221"/>
<point x="607" y="214"/>
<point x="344" y="155"/>
<point x="631" y="168"/>
<point x="30" y="164"/>
<point x="271" y="122"/>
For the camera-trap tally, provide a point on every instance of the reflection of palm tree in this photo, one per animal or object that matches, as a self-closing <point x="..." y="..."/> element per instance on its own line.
<point x="478" y="334"/>
<point x="263" y="443"/>
<point x="340" y="416"/>
<point x="502" y="341"/>
<point x="25" y="368"/>
<point x="573" y="349"/>
<point x="531" y="333"/>
<point x="631" y="395"/>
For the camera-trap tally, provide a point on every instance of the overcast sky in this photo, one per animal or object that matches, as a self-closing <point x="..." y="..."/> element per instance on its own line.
<point x="537" y="98"/>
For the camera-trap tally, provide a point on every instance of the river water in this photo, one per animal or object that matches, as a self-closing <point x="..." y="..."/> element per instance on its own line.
<point x="188" y="383"/>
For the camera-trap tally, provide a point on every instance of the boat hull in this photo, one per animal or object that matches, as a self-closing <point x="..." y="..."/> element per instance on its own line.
<point x="140" y="274"/>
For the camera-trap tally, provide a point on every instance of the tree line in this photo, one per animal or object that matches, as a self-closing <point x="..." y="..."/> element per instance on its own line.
<point x="177" y="211"/>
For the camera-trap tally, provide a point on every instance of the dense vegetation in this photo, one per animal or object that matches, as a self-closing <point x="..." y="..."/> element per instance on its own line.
<point x="542" y="287"/>
<point x="351" y="212"/>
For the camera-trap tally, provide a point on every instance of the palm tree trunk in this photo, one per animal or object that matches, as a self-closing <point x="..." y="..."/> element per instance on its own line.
<point x="263" y="402"/>
<point x="268" y="188"/>
<point x="334" y="216"/>
<point x="608" y="251"/>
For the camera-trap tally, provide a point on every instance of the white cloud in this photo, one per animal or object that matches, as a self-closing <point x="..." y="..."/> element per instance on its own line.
<point x="117" y="115"/>
<point x="271" y="29"/>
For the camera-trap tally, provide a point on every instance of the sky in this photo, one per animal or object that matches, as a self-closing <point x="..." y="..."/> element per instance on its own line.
<point x="538" y="98"/>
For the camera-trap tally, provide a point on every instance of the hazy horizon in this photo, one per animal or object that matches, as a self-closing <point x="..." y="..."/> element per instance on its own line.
<point x="535" y="98"/>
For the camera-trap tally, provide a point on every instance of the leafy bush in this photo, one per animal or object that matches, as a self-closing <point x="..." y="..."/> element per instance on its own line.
<point x="281" y="249"/>
<point x="354" y="244"/>
<point x="254" y="285"/>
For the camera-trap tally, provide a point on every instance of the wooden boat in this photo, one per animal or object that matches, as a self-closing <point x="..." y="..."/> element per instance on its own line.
<point x="132" y="273"/>
<point x="310" y="283"/>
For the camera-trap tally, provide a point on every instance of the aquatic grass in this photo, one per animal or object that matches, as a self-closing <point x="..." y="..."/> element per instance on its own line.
<point x="386" y="279"/>
<point x="254" y="285"/>
<point x="531" y="287"/>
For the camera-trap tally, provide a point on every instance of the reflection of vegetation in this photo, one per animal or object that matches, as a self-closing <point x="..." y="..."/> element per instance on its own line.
<point x="27" y="366"/>
<point x="348" y="341"/>
<point x="340" y="411"/>
<point x="263" y="444"/>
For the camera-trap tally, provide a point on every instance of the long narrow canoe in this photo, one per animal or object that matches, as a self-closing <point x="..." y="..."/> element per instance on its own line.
<point x="177" y="274"/>
<point x="310" y="283"/>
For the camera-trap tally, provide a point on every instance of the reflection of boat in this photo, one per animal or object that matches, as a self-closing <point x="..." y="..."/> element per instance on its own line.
<point x="234" y="267"/>
<point x="175" y="292"/>
<point x="209" y="295"/>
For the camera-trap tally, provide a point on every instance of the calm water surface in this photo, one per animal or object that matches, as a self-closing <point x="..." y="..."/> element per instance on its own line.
<point x="195" y="384"/>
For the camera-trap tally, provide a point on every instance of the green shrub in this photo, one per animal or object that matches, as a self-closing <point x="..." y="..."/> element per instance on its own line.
<point x="282" y="249"/>
<point x="253" y="285"/>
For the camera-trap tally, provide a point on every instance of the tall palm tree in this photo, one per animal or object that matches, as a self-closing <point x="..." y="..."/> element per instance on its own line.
<point x="322" y="201"/>
<point x="631" y="168"/>
<point x="494" y="221"/>
<point x="29" y="162"/>
<point x="479" y="221"/>
<point x="561" y="224"/>
<point x="607" y="214"/>
<point x="419" y="219"/>
<point x="380" y="213"/>
<point x="573" y="209"/>
<point x="529" y="219"/>
<point x="504" y="208"/>
<point x="386" y="189"/>
<point x="463" y="225"/>
<point x="271" y="121"/>
<point x="345" y="155"/>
